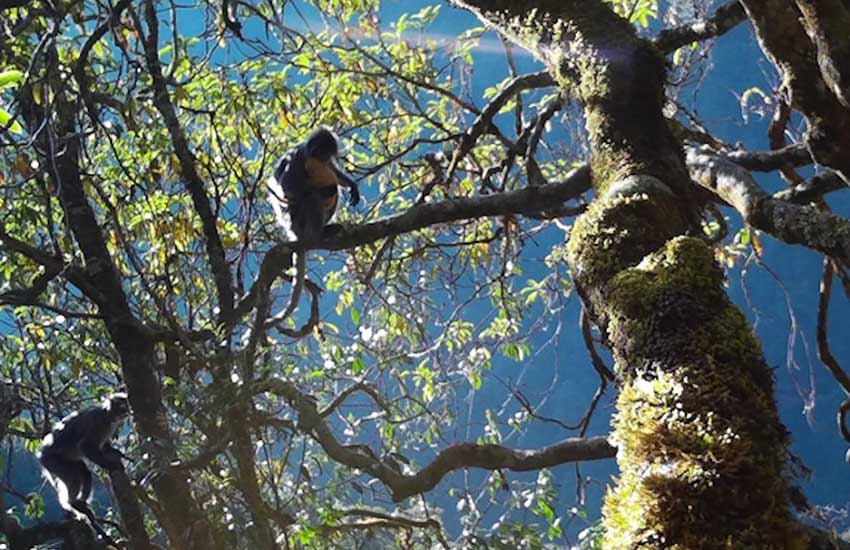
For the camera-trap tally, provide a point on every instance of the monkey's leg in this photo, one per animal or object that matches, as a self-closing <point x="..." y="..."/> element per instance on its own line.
<point x="308" y="218"/>
<point x="330" y="197"/>
<point x="81" y="505"/>
<point x="80" y="500"/>
<point x="65" y="477"/>
<point x="85" y="482"/>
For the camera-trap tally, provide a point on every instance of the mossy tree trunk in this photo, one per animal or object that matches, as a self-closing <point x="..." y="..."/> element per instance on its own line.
<point x="701" y="448"/>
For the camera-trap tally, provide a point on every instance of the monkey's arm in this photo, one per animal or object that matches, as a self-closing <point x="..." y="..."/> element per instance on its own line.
<point x="106" y="457"/>
<point x="108" y="449"/>
<point x="350" y="183"/>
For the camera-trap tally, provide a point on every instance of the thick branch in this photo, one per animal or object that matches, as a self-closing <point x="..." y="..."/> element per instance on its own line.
<point x="188" y="166"/>
<point x="6" y="4"/>
<point x="132" y="516"/>
<point x="75" y="535"/>
<point x="132" y="340"/>
<point x="525" y="201"/>
<point x="790" y="156"/>
<point x="812" y="189"/>
<point x="791" y="223"/>
<point x="727" y="16"/>
<point x="767" y="161"/>
<point x="823" y="540"/>
<point x="456" y="457"/>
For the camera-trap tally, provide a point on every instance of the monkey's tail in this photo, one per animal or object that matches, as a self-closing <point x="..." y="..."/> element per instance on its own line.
<point x="297" y="285"/>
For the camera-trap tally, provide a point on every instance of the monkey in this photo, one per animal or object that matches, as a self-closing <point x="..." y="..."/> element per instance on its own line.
<point x="306" y="179"/>
<point x="83" y="434"/>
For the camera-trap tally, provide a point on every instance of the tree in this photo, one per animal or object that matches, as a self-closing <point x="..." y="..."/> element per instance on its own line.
<point x="140" y="252"/>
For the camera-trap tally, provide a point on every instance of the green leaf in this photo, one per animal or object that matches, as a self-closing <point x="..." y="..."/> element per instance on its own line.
<point x="5" y="117"/>
<point x="517" y="352"/>
<point x="10" y="77"/>
<point x="358" y="366"/>
<point x="475" y="379"/>
<point x="35" y="506"/>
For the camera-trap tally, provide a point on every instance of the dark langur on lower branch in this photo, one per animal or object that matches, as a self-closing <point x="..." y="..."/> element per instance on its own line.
<point x="83" y="434"/>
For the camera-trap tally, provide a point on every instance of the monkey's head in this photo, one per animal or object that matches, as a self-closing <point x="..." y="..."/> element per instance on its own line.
<point x="322" y="144"/>
<point x="118" y="406"/>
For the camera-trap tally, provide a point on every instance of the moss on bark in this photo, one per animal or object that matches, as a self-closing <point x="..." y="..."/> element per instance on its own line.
<point x="701" y="448"/>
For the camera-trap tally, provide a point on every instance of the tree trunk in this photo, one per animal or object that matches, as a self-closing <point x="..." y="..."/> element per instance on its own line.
<point x="701" y="448"/>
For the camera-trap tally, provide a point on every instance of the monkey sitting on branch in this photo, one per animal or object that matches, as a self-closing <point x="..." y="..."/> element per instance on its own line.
<point x="83" y="434"/>
<point x="305" y="185"/>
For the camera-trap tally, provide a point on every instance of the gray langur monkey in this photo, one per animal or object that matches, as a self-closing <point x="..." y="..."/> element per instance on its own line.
<point x="83" y="434"/>
<point x="306" y="182"/>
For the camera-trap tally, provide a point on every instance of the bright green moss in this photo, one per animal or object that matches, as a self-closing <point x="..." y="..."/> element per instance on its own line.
<point x="699" y="440"/>
<point x="636" y="215"/>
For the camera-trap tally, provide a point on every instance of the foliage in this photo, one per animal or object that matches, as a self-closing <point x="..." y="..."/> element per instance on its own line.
<point x="425" y="337"/>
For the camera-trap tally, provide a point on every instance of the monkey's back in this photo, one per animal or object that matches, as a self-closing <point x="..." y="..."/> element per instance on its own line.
<point x="66" y="435"/>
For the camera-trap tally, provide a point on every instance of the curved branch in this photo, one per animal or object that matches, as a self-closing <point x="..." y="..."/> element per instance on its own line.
<point x="73" y="273"/>
<point x="364" y="387"/>
<point x="371" y="519"/>
<point x="776" y="137"/>
<point x="767" y="161"/>
<point x="484" y="121"/>
<point x="455" y="457"/>
<point x="727" y="17"/>
<point x="824" y="353"/>
<point x="527" y="201"/>
<point x="79" y="68"/>
<point x="790" y="223"/>
<point x="812" y="189"/>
